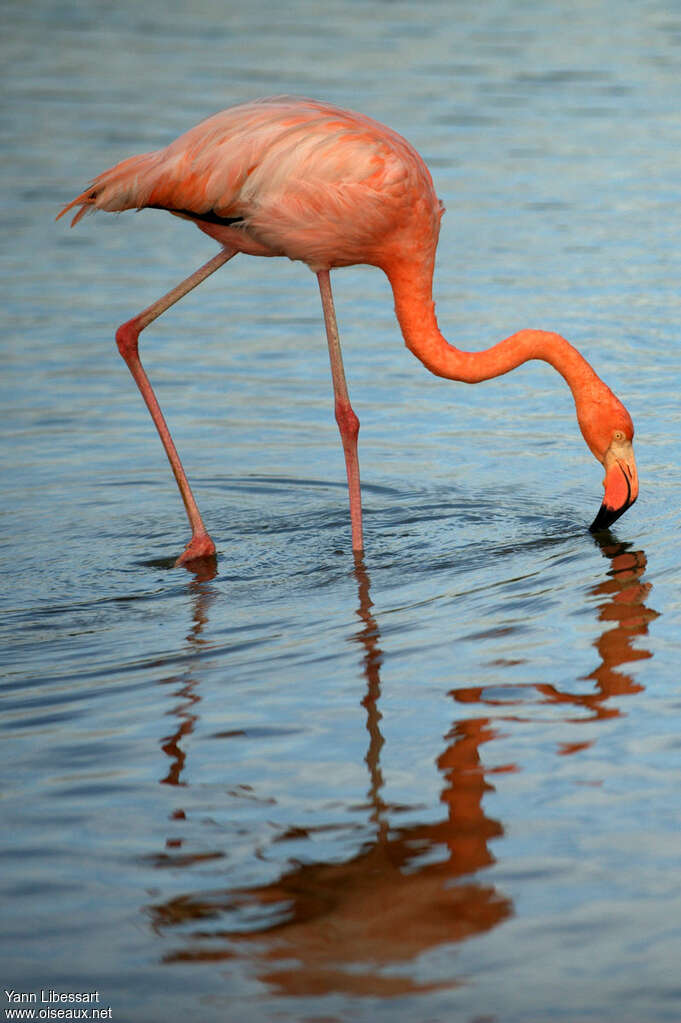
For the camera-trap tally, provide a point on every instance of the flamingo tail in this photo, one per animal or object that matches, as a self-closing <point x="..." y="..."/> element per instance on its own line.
<point x="123" y="187"/>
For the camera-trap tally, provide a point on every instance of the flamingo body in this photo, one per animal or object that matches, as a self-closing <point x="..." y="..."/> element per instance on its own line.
<point x="285" y="177"/>
<point x="294" y="177"/>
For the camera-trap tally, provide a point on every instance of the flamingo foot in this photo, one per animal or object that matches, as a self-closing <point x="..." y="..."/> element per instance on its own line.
<point x="200" y="546"/>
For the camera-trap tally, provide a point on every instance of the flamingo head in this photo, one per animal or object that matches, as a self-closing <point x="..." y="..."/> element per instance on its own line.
<point x="609" y="432"/>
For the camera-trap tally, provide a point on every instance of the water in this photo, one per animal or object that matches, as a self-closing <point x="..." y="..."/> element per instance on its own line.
<point x="439" y="783"/>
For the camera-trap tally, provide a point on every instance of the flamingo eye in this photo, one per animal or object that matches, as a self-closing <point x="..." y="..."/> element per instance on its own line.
<point x="618" y="435"/>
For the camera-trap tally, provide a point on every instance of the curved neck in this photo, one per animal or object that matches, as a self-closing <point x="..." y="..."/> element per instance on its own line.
<point x="412" y="290"/>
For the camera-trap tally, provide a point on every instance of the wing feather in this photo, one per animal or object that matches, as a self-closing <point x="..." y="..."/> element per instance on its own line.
<point x="305" y="179"/>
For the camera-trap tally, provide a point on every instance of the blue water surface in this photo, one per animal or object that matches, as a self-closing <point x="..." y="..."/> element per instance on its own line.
<point x="440" y="781"/>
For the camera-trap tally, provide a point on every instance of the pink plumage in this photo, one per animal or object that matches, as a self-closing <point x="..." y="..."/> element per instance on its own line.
<point x="303" y="179"/>
<point x="294" y="177"/>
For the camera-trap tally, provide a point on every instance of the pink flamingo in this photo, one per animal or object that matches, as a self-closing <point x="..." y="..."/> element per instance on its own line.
<point x="294" y="177"/>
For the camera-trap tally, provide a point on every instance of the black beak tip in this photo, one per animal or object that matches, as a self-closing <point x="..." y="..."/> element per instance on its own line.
<point x="605" y="518"/>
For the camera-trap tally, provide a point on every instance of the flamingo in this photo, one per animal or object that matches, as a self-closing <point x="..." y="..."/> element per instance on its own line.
<point x="288" y="176"/>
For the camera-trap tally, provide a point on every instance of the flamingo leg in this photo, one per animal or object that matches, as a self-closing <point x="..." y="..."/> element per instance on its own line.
<point x="127" y="337"/>
<point x="348" y="423"/>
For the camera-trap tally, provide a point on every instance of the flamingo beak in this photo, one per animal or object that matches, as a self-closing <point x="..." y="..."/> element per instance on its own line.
<point x="621" y="485"/>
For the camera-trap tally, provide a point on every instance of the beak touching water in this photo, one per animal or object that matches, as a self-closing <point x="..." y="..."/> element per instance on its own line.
<point x="621" y="484"/>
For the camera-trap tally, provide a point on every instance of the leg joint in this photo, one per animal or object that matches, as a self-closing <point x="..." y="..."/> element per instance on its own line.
<point x="348" y="423"/>
<point x="126" y="338"/>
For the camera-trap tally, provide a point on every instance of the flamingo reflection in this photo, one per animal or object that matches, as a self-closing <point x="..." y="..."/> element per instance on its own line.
<point x="622" y="608"/>
<point x="186" y="711"/>
<point x="358" y="925"/>
<point x="342" y="925"/>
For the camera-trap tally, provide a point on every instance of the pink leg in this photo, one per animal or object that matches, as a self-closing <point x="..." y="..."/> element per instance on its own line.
<point x="127" y="336"/>
<point x="348" y="423"/>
